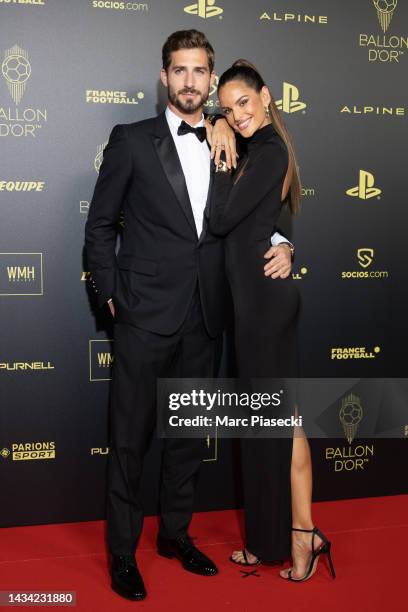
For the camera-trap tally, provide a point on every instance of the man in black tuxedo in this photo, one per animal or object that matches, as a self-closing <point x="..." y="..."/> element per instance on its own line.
<point x="167" y="291"/>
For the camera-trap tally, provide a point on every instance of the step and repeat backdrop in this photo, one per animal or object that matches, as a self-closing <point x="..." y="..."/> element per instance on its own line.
<point x="70" y="71"/>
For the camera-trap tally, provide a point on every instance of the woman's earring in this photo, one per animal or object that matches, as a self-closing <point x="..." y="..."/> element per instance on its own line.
<point x="267" y="113"/>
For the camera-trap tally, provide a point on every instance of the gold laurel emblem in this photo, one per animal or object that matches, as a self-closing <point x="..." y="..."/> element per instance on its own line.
<point x="290" y="102"/>
<point x="385" y="11"/>
<point x="365" y="189"/>
<point x="204" y="9"/>
<point x="16" y="69"/>
<point x="351" y="414"/>
<point x="99" y="156"/>
<point x="4" y="453"/>
<point x="365" y="257"/>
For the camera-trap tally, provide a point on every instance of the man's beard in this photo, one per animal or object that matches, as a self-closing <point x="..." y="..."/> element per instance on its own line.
<point x="188" y="106"/>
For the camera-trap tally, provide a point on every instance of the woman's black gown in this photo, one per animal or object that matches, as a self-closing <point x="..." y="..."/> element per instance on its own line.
<point x="244" y="208"/>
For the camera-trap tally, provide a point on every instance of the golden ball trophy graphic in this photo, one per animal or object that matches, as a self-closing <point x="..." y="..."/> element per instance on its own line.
<point x="351" y="413"/>
<point x="99" y="156"/>
<point x="16" y="69"/>
<point x="385" y="11"/>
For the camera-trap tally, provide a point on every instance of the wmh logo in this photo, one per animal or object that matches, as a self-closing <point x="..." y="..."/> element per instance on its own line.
<point x="21" y="273"/>
<point x="105" y="359"/>
<point x="365" y="188"/>
<point x="101" y="359"/>
<point x="290" y="102"/>
<point x="204" y="9"/>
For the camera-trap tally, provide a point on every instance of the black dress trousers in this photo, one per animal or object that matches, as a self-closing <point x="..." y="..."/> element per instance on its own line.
<point x="140" y="358"/>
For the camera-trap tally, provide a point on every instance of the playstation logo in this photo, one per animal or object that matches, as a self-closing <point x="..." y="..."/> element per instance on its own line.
<point x="290" y="99"/>
<point x="365" y="257"/>
<point x="365" y="189"/>
<point x="204" y="9"/>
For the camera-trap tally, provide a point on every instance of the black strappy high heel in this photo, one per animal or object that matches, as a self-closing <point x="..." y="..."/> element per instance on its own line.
<point x="257" y="562"/>
<point x="323" y="549"/>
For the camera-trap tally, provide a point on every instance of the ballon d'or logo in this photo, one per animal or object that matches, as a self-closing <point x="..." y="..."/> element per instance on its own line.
<point x="99" y="156"/>
<point x="16" y="70"/>
<point x="385" y="11"/>
<point x="351" y="413"/>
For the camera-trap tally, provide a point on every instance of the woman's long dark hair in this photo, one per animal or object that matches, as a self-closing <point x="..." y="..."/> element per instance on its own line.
<point x="242" y="70"/>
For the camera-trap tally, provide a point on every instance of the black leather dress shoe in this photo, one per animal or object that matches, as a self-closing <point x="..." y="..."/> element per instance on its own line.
<point x="126" y="578"/>
<point x="191" y="558"/>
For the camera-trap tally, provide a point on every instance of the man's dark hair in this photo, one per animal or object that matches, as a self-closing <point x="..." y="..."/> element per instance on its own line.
<point x="187" y="39"/>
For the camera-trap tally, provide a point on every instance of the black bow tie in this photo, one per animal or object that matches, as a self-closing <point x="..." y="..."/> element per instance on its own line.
<point x="184" y="128"/>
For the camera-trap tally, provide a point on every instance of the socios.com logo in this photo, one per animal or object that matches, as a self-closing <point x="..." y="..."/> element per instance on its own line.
<point x="290" y="102"/>
<point x="385" y="11"/>
<point x="365" y="257"/>
<point x="204" y="9"/>
<point x="365" y="188"/>
<point x="214" y="86"/>
<point x="16" y="69"/>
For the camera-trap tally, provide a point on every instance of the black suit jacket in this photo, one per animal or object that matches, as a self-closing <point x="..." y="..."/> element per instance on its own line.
<point x="154" y="274"/>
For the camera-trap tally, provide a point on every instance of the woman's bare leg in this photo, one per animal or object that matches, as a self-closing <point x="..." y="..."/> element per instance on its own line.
<point x="301" y="485"/>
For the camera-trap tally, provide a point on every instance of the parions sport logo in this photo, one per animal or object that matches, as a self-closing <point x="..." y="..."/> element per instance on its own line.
<point x="24" y="451"/>
<point x="17" y="121"/>
<point x="386" y="47"/>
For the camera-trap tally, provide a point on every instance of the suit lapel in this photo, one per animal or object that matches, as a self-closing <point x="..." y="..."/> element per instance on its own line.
<point x="169" y="159"/>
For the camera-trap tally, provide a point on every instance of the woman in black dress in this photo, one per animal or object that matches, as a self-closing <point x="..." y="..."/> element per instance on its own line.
<point x="245" y="206"/>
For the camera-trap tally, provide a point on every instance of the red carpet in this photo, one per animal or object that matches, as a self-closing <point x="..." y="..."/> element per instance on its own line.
<point x="369" y="536"/>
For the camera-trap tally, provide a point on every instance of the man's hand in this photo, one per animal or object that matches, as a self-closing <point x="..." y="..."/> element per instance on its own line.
<point x="222" y="138"/>
<point x="280" y="264"/>
<point x="111" y="307"/>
